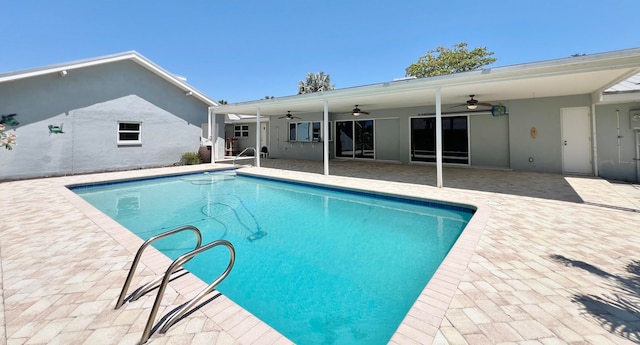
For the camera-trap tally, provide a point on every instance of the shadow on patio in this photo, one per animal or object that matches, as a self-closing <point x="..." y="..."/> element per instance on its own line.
<point x="535" y="185"/>
<point x="619" y="311"/>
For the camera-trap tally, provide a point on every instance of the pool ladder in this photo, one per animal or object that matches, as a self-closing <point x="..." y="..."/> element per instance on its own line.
<point x="255" y="153"/>
<point x="161" y="281"/>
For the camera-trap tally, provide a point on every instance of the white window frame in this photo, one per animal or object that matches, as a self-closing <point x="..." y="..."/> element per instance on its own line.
<point x="128" y="131"/>
<point x="241" y="131"/>
<point x="310" y="135"/>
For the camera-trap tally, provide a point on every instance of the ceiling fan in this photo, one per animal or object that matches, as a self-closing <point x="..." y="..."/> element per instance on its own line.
<point x="473" y="103"/>
<point x="289" y="116"/>
<point x="357" y="112"/>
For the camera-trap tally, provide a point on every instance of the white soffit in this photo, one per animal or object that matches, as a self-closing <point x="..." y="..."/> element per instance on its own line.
<point x="569" y="76"/>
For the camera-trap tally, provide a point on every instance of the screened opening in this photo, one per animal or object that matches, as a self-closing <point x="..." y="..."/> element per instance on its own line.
<point x="455" y="139"/>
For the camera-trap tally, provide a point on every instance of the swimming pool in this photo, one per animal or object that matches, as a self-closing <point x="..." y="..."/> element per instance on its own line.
<point x="319" y="265"/>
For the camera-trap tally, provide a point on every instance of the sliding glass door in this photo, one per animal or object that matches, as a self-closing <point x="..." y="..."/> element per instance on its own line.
<point x="455" y="139"/>
<point x="355" y="139"/>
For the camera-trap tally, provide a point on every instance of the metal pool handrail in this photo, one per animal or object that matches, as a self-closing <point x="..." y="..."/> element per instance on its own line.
<point x="136" y="260"/>
<point x="182" y="310"/>
<point x="255" y="152"/>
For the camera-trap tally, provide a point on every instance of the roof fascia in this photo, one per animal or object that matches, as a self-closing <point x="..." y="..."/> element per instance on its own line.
<point x="629" y="58"/>
<point x="599" y="95"/>
<point x="131" y="55"/>
<point x="172" y="79"/>
<point x="66" y="66"/>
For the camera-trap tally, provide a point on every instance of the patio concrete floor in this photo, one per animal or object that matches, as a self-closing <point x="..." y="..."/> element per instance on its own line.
<point x="547" y="259"/>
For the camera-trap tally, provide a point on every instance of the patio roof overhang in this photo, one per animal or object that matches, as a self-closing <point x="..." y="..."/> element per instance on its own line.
<point x="578" y="75"/>
<point x="588" y="74"/>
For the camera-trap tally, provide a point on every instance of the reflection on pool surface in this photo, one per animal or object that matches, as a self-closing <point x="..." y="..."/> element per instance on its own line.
<point x="320" y="265"/>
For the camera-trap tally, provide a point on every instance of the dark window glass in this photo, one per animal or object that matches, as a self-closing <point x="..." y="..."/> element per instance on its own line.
<point x="129" y="126"/>
<point x="455" y="140"/>
<point x="129" y="136"/>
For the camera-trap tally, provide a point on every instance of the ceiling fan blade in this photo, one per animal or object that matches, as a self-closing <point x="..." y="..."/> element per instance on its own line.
<point x="485" y="104"/>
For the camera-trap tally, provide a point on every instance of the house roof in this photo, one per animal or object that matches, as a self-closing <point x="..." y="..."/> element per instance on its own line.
<point x="134" y="56"/>
<point x="632" y="84"/>
<point x="586" y="74"/>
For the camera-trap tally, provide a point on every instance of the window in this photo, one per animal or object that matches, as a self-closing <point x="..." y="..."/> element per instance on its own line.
<point x="355" y="139"/>
<point x="455" y="139"/>
<point x="241" y="131"/>
<point x="129" y="133"/>
<point x="315" y="131"/>
<point x="305" y="131"/>
<point x="292" y="131"/>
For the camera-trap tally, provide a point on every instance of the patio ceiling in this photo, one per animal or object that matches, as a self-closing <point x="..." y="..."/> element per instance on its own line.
<point x="589" y="74"/>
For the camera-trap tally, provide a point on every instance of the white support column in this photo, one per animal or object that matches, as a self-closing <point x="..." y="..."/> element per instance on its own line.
<point x="438" y="138"/>
<point x="209" y="137"/>
<point x="325" y="138"/>
<point x="594" y="143"/>
<point x="258" y="130"/>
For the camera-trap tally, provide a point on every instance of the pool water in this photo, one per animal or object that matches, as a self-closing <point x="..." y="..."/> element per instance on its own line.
<point x="320" y="265"/>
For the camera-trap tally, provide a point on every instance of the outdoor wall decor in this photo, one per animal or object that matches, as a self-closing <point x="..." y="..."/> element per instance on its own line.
<point x="55" y="129"/>
<point x="498" y="110"/>
<point x="9" y="120"/>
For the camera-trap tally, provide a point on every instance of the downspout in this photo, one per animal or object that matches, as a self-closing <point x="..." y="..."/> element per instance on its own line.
<point x="438" y="138"/>
<point x="325" y="139"/>
<point x="258" y="130"/>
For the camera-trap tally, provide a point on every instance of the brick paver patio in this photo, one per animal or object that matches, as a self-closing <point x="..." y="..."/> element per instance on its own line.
<point x="547" y="259"/>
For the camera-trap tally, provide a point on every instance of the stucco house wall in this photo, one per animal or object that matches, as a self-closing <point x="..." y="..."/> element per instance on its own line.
<point x="88" y="103"/>
<point x="545" y="115"/>
<point x="489" y="141"/>
<point x="502" y="142"/>
<point x="616" y="142"/>
<point x="241" y="142"/>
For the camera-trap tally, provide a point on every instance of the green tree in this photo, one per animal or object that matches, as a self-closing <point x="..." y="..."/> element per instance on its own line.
<point x="447" y="61"/>
<point x="222" y="101"/>
<point x="315" y="82"/>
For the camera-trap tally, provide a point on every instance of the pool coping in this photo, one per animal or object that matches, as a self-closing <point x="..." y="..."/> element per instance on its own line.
<point x="419" y="325"/>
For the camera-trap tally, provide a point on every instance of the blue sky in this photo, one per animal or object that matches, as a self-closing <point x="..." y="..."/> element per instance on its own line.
<point x="246" y="50"/>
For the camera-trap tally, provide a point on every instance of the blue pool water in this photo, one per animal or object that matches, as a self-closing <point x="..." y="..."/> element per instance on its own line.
<point x="320" y="265"/>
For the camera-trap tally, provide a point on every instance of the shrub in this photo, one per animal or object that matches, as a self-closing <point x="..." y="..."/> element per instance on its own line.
<point x="6" y="140"/>
<point x="190" y="158"/>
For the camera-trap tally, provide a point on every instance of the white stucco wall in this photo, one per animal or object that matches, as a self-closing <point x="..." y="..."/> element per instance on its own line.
<point x="616" y="141"/>
<point x="88" y="103"/>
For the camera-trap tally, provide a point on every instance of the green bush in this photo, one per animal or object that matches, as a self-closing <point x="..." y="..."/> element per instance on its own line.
<point x="190" y="158"/>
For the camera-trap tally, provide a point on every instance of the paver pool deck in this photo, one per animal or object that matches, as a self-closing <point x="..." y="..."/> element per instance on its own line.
<point x="547" y="259"/>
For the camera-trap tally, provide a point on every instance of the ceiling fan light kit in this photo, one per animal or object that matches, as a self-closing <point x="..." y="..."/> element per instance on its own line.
<point x="288" y="116"/>
<point x="357" y="112"/>
<point x="473" y="104"/>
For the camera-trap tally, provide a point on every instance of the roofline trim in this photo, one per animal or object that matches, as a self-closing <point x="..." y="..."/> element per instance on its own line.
<point x="130" y="55"/>
<point x="628" y="58"/>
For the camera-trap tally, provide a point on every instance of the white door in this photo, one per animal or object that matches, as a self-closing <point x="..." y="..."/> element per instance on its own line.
<point x="576" y="141"/>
